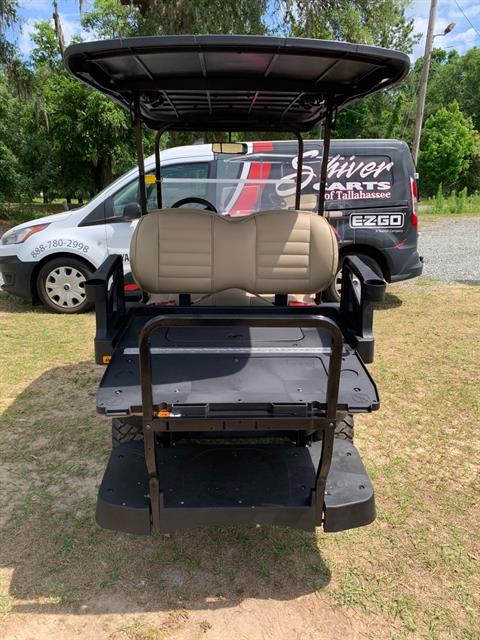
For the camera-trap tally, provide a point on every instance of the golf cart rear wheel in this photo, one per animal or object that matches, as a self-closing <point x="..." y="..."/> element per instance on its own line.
<point x="333" y="292"/>
<point x="126" y="430"/>
<point x="344" y="429"/>
<point x="61" y="285"/>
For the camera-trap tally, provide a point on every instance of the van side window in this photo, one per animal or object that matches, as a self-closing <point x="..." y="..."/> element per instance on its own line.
<point x="171" y="192"/>
<point x="174" y="191"/>
<point x="125" y="196"/>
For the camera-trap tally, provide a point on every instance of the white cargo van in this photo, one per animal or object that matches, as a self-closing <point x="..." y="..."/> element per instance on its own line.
<point x="370" y="201"/>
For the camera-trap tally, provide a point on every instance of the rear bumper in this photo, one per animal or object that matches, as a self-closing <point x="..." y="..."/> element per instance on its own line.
<point x="412" y="269"/>
<point x="17" y="276"/>
<point x="244" y="485"/>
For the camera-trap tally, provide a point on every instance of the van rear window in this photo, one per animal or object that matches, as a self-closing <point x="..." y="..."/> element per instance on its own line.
<point x="265" y="178"/>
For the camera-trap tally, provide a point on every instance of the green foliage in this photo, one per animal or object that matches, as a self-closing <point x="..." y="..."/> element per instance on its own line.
<point x="46" y="52"/>
<point x="448" y="141"/>
<point x="10" y="140"/>
<point x="110" y="19"/>
<point x="78" y="140"/>
<point x="8" y="14"/>
<point x="8" y="20"/>
<point x="454" y="203"/>
<point x="12" y="214"/>
<point x="61" y="139"/>
<point x="380" y="22"/>
<point x="8" y="172"/>
<point x="459" y="76"/>
<point x="87" y="132"/>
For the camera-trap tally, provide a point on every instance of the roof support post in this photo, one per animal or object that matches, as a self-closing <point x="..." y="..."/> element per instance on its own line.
<point x="137" y="123"/>
<point x="158" y="175"/>
<point x="327" y="130"/>
<point x="298" y="191"/>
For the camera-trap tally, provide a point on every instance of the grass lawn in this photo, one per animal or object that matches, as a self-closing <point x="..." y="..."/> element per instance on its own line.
<point x="414" y="573"/>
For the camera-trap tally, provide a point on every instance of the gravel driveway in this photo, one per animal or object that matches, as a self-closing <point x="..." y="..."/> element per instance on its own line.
<point x="451" y="248"/>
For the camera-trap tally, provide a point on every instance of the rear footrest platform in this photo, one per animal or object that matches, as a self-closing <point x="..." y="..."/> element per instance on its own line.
<point x="203" y="485"/>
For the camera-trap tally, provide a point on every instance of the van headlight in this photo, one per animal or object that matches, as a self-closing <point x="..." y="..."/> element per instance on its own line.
<point x="16" y="236"/>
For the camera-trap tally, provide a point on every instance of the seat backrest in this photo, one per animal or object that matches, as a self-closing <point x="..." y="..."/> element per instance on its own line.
<point x="198" y="251"/>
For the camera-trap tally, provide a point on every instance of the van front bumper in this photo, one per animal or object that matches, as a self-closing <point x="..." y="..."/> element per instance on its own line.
<point x="16" y="276"/>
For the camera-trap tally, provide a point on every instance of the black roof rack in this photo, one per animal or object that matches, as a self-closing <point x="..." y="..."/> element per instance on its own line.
<point x="249" y="83"/>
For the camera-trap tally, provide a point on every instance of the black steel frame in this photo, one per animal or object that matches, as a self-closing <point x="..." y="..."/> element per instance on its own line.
<point x="327" y="132"/>
<point x="357" y="307"/>
<point x="153" y="423"/>
<point x="109" y="304"/>
<point x="354" y="314"/>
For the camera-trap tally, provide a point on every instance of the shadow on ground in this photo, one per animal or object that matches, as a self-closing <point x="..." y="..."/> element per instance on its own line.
<point x="12" y="304"/>
<point x="53" y="450"/>
<point x="391" y="301"/>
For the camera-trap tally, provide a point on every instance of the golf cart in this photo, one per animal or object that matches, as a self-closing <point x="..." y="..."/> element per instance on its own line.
<point x="232" y="396"/>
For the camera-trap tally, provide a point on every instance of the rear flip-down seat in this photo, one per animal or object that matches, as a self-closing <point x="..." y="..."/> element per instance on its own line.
<point x="210" y="372"/>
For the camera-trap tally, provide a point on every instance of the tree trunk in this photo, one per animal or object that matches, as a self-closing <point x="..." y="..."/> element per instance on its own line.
<point x="103" y="173"/>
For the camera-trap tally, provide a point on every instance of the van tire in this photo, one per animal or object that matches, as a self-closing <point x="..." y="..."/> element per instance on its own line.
<point x="65" y="268"/>
<point x="331" y="293"/>
<point x="126" y="430"/>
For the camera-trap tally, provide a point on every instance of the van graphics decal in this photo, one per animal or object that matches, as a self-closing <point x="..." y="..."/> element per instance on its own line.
<point x="348" y="178"/>
<point x="376" y="220"/>
<point x="246" y="195"/>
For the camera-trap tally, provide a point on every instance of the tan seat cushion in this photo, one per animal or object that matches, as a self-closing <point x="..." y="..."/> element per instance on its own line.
<point x="196" y="251"/>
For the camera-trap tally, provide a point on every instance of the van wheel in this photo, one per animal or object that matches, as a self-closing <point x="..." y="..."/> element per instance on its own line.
<point x="126" y="430"/>
<point x="61" y="285"/>
<point x="333" y="292"/>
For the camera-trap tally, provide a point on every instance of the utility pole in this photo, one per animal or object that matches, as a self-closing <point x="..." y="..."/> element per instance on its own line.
<point x="424" y="81"/>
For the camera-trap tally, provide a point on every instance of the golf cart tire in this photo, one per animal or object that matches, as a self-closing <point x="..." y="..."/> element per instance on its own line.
<point x="126" y="430"/>
<point x="331" y="294"/>
<point x="64" y="261"/>
<point x="343" y="431"/>
<point x="345" y="428"/>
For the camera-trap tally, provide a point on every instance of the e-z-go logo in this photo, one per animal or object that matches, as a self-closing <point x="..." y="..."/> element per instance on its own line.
<point x="376" y="220"/>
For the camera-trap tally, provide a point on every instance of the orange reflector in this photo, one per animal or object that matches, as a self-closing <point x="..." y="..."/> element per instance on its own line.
<point x="106" y="359"/>
<point x="164" y="413"/>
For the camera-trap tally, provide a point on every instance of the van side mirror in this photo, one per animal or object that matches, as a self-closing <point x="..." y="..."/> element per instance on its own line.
<point x="132" y="211"/>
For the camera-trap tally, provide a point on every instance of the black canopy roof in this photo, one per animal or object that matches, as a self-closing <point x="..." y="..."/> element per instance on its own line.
<point x="252" y="83"/>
